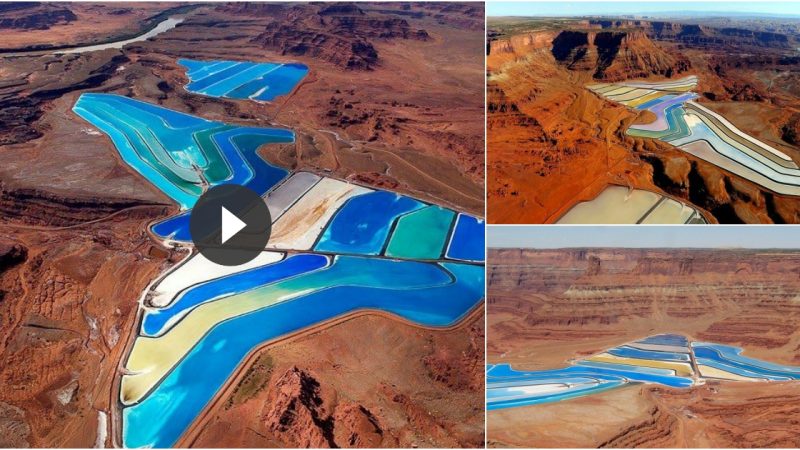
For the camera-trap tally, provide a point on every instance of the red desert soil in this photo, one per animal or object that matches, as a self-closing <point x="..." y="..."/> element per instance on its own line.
<point x="328" y="389"/>
<point x="552" y="143"/>
<point x="393" y="100"/>
<point x="743" y="415"/>
<point x="545" y="307"/>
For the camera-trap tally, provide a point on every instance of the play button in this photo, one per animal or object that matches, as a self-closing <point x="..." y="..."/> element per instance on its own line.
<point x="230" y="224"/>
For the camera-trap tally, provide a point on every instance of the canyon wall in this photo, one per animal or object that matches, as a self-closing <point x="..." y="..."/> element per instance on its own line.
<point x="540" y="302"/>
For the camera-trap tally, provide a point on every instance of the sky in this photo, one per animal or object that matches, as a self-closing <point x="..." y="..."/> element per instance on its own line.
<point x="582" y="8"/>
<point x="638" y="236"/>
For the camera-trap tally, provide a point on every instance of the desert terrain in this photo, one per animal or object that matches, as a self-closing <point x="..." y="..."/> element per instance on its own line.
<point x="393" y="100"/>
<point x="548" y="307"/>
<point x="552" y="143"/>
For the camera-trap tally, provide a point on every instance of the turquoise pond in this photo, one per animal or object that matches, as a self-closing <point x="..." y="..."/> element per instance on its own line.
<point x="434" y="295"/>
<point x="242" y="79"/>
<point x="177" y="152"/>
<point x="362" y="225"/>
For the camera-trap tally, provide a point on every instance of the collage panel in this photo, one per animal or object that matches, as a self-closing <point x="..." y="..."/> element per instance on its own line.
<point x="399" y="224"/>
<point x="624" y="336"/>
<point x="242" y="225"/>
<point x="642" y="113"/>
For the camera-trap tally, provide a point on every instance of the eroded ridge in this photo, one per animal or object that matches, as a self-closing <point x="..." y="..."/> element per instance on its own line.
<point x="703" y="133"/>
<point x="665" y="359"/>
<point x="336" y="249"/>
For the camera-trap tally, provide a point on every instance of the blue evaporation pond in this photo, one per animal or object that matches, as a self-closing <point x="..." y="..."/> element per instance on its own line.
<point x="362" y="225"/>
<point x="585" y="380"/>
<point x="585" y="369"/>
<point x="629" y="352"/>
<point x="503" y="370"/>
<point x="115" y="116"/>
<point x="563" y="379"/>
<point x="576" y="391"/>
<point x="654" y="102"/>
<point x="156" y="321"/>
<point x="666" y="339"/>
<point x="467" y="242"/>
<point x="246" y="141"/>
<point x="166" y="147"/>
<point x="730" y="359"/>
<point x="636" y="373"/>
<point x="239" y="145"/>
<point x="242" y="80"/>
<point x="503" y="373"/>
<point x="163" y="416"/>
<point x="172" y="119"/>
<point x="754" y="160"/>
<point x="175" y="228"/>
<point x="672" y="119"/>
<point x="504" y="384"/>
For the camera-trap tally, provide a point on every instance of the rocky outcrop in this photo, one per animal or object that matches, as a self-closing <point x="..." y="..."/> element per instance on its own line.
<point x="349" y="53"/>
<point x="14" y="430"/>
<point x="699" y="35"/>
<point x="464" y="15"/>
<point x="301" y="413"/>
<point x="253" y="9"/>
<point x="340" y="34"/>
<point x="11" y="254"/>
<point x="381" y="28"/>
<point x="459" y="369"/>
<point x="63" y="320"/>
<point x="336" y="9"/>
<point x="571" y="47"/>
<point x="20" y="111"/>
<point x="790" y="131"/>
<point x="296" y="412"/>
<point x="34" y="16"/>
<point x="758" y="38"/>
<point x="502" y="112"/>
<point x="742" y="415"/>
<point x="521" y="44"/>
<point x="35" y="207"/>
<point x="355" y="427"/>
<point x="655" y="430"/>
<point x="615" y="55"/>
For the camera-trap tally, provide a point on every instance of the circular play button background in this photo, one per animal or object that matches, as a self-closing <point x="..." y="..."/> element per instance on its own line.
<point x="235" y="212"/>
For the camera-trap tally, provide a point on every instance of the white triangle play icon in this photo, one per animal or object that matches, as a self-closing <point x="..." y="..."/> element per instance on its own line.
<point x="230" y="225"/>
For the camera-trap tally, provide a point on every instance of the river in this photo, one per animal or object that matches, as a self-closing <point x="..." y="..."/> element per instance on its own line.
<point x="162" y="26"/>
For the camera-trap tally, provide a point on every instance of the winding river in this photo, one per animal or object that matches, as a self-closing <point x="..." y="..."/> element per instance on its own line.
<point x="164" y="25"/>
